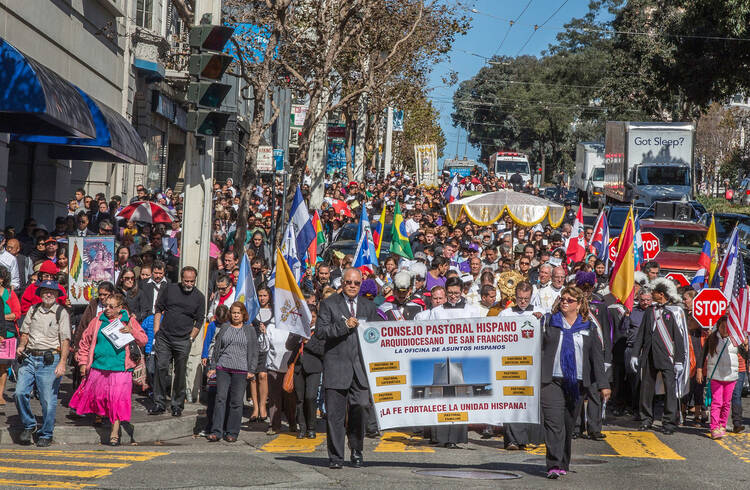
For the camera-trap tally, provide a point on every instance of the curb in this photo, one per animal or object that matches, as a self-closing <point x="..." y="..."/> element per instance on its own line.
<point x="156" y="430"/>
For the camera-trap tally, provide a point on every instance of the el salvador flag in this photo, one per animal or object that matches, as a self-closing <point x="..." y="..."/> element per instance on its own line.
<point x="245" y="290"/>
<point x="304" y="231"/>
<point x="365" y="255"/>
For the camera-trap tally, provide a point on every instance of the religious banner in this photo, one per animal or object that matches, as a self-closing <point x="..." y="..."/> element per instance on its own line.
<point x="426" y="161"/>
<point x="457" y="371"/>
<point x="91" y="261"/>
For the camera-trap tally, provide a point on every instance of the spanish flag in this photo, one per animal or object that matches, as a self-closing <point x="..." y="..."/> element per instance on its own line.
<point x="399" y="241"/>
<point x="289" y="307"/>
<point x="623" y="272"/>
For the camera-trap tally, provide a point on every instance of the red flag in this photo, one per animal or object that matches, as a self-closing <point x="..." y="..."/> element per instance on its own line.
<point x="576" y="249"/>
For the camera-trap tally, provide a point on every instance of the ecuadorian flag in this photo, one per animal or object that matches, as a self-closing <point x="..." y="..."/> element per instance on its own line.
<point x="709" y="259"/>
<point x="399" y="241"/>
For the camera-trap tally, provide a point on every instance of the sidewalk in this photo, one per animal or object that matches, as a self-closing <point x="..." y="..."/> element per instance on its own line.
<point x="73" y="429"/>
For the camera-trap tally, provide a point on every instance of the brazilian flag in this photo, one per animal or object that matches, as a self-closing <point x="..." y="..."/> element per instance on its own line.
<point x="399" y="241"/>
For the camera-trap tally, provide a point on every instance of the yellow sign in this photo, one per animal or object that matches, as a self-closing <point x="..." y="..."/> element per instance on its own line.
<point x="453" y="417"/>
<point x="501" y="375"/>
<point x="518" y="390"/>
<point x="390" y="380"/>
<point x="388" y="396"/>
<point x="518" y="360"/>
<point x="376" y="367"/>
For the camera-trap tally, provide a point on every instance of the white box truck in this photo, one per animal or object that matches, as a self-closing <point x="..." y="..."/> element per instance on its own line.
<point x="648" y="161"/>
<point x="589" y="173"/>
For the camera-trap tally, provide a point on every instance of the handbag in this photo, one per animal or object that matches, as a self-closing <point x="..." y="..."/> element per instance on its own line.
<point x="289" y="374"/>
<point x="140" y="376"/>
<point x="707" y="397"/>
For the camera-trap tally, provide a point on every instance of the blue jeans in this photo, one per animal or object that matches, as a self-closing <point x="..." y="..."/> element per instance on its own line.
<point x="33" y="371"/>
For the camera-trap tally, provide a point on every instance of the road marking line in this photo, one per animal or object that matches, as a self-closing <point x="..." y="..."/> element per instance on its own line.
<point x="43" y="484"/>
<point x="55" y="472"/>
<point x="400" y="442"/>
<point x="638" y="444"/>
<point x="539" y="450"/>
<point x="288" y="443"/>
<point x="737" y="444"/>
<point x="65" y="463"/>
<point x="116" y="455"/>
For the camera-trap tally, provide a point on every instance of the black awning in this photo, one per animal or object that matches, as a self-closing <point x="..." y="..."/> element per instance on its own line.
<point x="36" y="100"/>
<point x="116" y="139"/>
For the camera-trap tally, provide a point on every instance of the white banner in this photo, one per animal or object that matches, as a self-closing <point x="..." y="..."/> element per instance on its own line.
<point x="426" y="161"/>
<point x="465" y="371"/>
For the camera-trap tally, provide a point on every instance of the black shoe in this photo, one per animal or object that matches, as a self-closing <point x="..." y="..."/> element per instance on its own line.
<point x="310" y="434"/>
<point x="176" y="412"/>
<point x="451" y="445"/>
<point x="26" y="437"/>
<point x="597" y="436"/>
<point x="646" y="426"/>
<point x="667" y="431"/>
<point x="576" y="434"/>
<point x="157" y="410"/>
<point x="335" y="465"/>
<point x="737" y="428"/>
<point x="301" y="434"/>
<point x="511" y="446"/>
<point x="373" y="435"/>
<point x="357" y="462"/>
<point x="487" y="433"/>
<point x="44" y="442"/>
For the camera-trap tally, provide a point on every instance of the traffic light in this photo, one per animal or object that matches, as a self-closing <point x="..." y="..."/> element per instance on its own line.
<point x="206" y="66"/>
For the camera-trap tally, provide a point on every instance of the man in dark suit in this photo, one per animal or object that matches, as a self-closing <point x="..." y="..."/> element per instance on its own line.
<point x="150" y="291"/>
<point x="658" y="348"/>
<point x="344" y="376"/>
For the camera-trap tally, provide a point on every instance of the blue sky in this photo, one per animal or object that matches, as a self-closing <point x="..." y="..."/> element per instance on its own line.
<point x="488" y="27"/>
<point x="476" y="369"/>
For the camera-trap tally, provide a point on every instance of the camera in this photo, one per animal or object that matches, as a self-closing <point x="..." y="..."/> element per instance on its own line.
<point x="48" y="357"/>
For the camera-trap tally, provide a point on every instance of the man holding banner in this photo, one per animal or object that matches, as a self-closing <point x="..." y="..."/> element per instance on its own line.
<point x="344" y="377"/>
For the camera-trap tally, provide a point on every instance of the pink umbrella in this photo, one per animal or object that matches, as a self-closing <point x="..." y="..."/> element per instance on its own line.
<point x="147" y="211"/>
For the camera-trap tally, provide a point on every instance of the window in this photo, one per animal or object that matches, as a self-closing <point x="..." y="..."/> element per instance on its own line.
<point x="144" y="10"/>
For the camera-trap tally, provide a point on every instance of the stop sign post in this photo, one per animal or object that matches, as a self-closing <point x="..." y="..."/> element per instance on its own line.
<point x="708" y="306"/>
<point x="651" y="246"/>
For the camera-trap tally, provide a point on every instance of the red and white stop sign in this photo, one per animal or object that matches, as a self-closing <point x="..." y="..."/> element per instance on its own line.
<point x="680" y="278"/>
<point x="650" y="245"/>
<point x="708" y="306"/>
<point x="613" y="248"/>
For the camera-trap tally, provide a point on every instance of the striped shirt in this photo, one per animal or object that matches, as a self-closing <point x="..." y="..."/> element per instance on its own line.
<point x="233" y="345"/>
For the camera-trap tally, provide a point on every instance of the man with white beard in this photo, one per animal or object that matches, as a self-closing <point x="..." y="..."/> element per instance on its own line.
<point x="549" y="294"/>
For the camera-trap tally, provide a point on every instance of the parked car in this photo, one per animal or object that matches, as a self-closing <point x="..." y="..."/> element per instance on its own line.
<point x="742" y="193"/>
<point x="680" y="244"/>
<point x="696" y="210"/>
<point x="725" y="223"/>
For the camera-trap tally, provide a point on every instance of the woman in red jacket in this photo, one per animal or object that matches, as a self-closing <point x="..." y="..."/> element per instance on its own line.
<point x="107" y="387"/>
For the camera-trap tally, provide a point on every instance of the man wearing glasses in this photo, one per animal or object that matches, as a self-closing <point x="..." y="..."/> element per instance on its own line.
<point x="344" y="375"/>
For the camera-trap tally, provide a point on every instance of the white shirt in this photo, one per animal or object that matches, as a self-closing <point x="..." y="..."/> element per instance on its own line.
<point x="535" y="301"/>
<point x="468" y="311"/>
<point x="411" y="226"/>
<point x="8" y="260"/>
<point x="578" y="343"/>
<point x="156" y="292"/>
<point x="278" y="356"/>
<point x="547" y="296"/>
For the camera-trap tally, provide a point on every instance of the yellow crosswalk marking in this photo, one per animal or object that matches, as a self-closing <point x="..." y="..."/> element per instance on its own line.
<point x="538" y="450"/>
<point x="55" y="472"/>
<point x="737" y="444"/>
<point x="638" y="444"/>
<point x="43" y="484"/>
<point x="400" y="442"/>
<point x="116" y="455"/>
<point x="83" y="466"/>
<point x="64" y="463"/>
<point x="288" y="443"/>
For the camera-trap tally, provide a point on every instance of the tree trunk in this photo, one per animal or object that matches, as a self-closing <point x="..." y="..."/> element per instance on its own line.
<point x="348" y="141"/>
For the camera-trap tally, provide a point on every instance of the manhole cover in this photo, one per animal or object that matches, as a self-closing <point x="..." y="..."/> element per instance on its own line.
<point x="573" y="462"/>
<point x="471" y="474"/>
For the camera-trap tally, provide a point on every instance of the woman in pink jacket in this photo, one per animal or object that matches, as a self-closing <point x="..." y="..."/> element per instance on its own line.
<point x="107" y="386"/>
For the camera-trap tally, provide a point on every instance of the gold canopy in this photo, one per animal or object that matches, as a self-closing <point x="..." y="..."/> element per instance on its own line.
<point x="524" y="209"/>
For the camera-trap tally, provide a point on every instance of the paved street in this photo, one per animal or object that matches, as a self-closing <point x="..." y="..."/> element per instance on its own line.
<point x="628" y="458"/>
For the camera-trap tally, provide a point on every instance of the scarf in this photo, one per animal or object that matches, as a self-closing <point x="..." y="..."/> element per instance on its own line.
<point x="568" y="353"/>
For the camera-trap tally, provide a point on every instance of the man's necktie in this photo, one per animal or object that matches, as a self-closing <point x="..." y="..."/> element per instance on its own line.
<point x="351" y="308"/>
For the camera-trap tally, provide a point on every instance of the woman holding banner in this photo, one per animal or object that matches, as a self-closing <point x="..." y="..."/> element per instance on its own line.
<point x="571" y="362"/>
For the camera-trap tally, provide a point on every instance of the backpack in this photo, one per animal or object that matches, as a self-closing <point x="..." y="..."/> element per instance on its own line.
<point x="58" y="312"/>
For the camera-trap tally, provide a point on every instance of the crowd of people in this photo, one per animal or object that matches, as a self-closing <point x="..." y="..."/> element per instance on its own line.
<point x="595" y="352"/>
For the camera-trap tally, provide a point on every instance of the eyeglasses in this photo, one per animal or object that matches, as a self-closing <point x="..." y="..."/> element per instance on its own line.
<point x="524" y="263"/>
<point x="128" y="278"/>
<point x="112" y="307"/>
<point x="568" y="300"/>
<point x="352" y="283"/>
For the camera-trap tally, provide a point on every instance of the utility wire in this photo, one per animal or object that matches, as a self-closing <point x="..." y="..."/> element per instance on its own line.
<point x="540" y="26"/>
<point x="510" y="25"/>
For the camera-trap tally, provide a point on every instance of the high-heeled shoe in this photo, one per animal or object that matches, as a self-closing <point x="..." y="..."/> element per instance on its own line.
<point x="252" y="420"/>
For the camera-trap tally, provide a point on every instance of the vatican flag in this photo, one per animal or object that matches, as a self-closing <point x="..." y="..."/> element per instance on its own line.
<point x="290" y="310"/>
